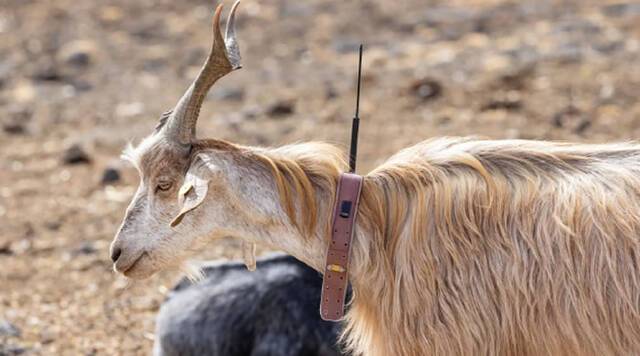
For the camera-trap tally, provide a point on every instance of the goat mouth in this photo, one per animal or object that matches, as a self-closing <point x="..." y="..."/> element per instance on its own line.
<point x="132" y="265"/>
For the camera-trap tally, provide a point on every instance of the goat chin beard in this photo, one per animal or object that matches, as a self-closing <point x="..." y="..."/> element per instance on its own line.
<point x="192" y="271"/>
<point x="145" y="267"/>
<point x="149" y="264"/>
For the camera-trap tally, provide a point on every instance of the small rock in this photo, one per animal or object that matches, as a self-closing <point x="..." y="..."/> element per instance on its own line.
<point x="8" y="329"/>
<point x="144" y="304"/>
<point x="16" y="124"/>
<point x="622" y="9"/>
<point x="48" y="73"/>
<point x="345" y="45"/>
<point x="85" y="248"/>
<point x="78" y="59"/>
<point x="451" y="22"/>
<point x="513" y="134"/>
<point x="129" y="109"/>
<point x="12" y="350"/>
<point x="5" y="249"/>
<point x="510" y="101"/>
<point x="77" y="54"/>
<point x="24" y="92"/>
<point x="262" y="140"/>
<point x="330" y="92"/>
<point x="607" y="91"/>
<point x="46" y="337"/>
<point x="81" y="85"/>
<point x="573" y="119"/>
<point x="147" y="30"/>
<point x="194" y="57"/>
<point x="75" y="155"/>
<point x="28" y="230"/>
<point x="111" y="13"/>
<point x="296" y="10"/>
<point x="426" y="89"/>
<point x="154" y="64"/>
<point x="250" y="113"/>
<point x="231" y="94"/>
<point x="53" y="225"/>
<point x="496" y="62"/>
<point x="281" y="108"/>
<point x="502" y="104"/>
<point x="14" y="128"/>
<point x="577" y="26"/>
<point x="233" y="120"/>
<point x="5" y="71"/>
<point x="517" y="79"/>
<point x="110" y="175"/>
<point x="22" y="246"/>
<point x="443" y="120"/>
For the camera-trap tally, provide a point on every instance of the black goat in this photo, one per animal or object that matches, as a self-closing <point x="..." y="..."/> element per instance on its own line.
<point x="271" y="311"/>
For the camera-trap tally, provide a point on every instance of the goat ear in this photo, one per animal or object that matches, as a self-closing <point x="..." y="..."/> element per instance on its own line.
<point x="249" y="255"/>
<point x="193" y="190"/>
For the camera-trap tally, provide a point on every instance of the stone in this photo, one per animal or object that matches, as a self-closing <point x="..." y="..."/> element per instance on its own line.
<point x="622" y="9"/>
<point x="129" y="109"/>
<point x="8" y="329"/>
<point x="5" y="249"/>
<point x="231" y="94"/>
<point x="14" y="128"/>
<point x="75" y="155"/>
<point x="330" y="92"/>
<point x="85" y="248"/>
<point x="17" y="118"/>
<point x="573" y="119"/>
<point x="77" y="54"/>
<point x="344" y="45"/>
<point x="426" y="89"/>
<point x="12" y="350"/>
<point x="110" y="175"/>
<point x="508" y="102"/>
<point x="48" y="72"/>
<point x="281" y="108"/>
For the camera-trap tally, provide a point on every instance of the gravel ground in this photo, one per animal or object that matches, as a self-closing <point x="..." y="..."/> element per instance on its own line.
<point x="80" y="79"/>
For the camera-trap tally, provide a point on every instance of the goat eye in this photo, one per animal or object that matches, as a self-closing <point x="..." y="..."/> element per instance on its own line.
<point x="163" y="186"/>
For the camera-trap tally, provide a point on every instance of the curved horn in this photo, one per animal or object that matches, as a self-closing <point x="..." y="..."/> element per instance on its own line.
<point x="223" y="58"/>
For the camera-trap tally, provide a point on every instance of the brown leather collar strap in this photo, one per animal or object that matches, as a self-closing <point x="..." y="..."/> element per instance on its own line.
<point x="336" y="273"/>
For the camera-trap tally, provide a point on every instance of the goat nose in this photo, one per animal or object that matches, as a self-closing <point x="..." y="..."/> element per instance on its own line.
<point x="115" y="254"/>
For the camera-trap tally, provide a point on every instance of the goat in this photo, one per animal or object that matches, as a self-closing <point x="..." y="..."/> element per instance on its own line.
<point x="462" y="246"/>
<point x="273" y="311"/>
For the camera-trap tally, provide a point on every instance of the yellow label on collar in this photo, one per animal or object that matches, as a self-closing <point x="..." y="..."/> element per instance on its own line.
<point x="336" y="268"/>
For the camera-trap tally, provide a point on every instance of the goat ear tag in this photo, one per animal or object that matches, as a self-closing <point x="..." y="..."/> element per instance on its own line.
<point x="186" y="187"/>
<point x="249" y="255"/>
<point x="190" y="196"/>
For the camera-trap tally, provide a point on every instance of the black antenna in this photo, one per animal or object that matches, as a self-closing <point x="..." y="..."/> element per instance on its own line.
<point x="353" y="154"/>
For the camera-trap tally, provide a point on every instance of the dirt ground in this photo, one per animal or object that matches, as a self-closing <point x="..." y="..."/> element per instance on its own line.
<point x="80" y="79"/>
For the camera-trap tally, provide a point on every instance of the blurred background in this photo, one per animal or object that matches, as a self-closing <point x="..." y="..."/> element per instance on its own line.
<point x="80" y="79"/>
